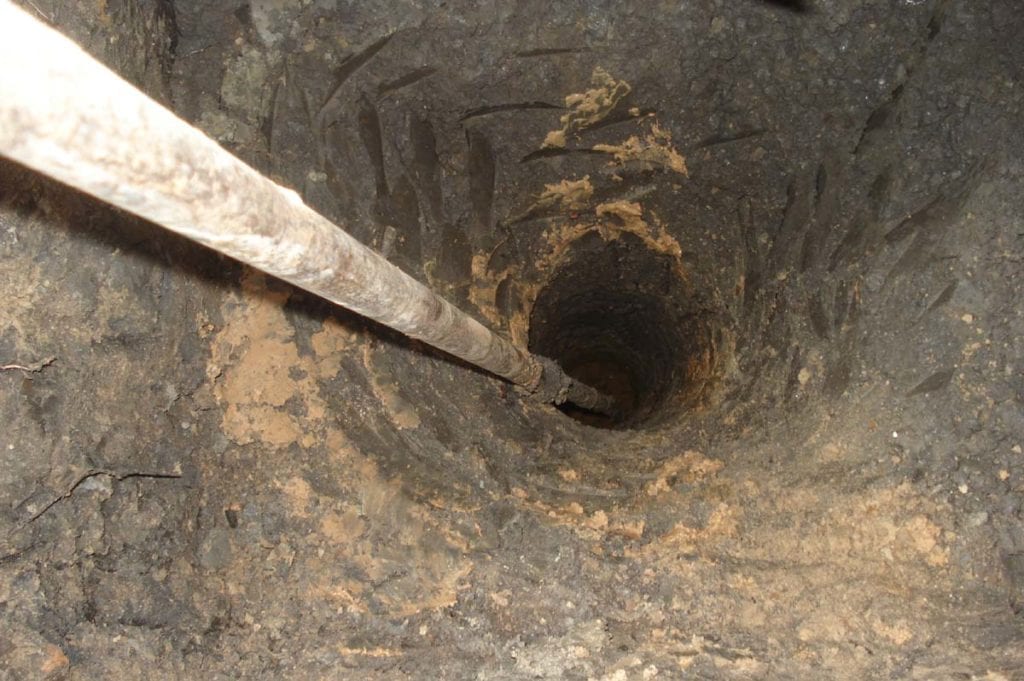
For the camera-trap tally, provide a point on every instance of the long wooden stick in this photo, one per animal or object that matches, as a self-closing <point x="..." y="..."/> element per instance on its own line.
<point x="64" y="114"/>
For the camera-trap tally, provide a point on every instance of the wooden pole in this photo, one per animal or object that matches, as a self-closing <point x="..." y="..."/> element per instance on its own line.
<point x="66" y="115"/>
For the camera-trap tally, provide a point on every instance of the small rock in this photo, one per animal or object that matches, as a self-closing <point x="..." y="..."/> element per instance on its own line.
<point x="215" y="551"/>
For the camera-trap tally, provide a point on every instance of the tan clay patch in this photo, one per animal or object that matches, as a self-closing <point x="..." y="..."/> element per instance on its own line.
<point x="653" y="150"/>
<point x="688" y="467"/>
<point x="258" y="373"/>
<point x="589" y="107"/>
<point x="567" y="194"/>
<point x="256" y="369"/>
<point x="55" y="659"/>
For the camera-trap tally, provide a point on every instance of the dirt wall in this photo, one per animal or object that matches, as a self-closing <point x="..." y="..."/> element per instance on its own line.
<point x="805" y="223"/>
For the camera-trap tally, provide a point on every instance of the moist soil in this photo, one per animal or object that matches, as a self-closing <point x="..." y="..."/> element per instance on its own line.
<point x="787" y="237"/>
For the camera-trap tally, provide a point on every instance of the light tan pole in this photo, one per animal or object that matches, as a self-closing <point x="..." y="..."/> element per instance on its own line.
<point x="66" y="115"/>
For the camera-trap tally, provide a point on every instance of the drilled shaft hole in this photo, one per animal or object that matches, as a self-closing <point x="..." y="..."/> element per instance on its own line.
<point x="616" y="315"/>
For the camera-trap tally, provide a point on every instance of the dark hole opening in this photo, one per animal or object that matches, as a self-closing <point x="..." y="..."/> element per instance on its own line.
<point x="616" y="315"/>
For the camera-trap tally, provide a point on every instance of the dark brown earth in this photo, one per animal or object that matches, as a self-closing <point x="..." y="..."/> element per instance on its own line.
<point x="790" y="242"/>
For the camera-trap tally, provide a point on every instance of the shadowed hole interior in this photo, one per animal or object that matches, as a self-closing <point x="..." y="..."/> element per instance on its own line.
<point x="617" y="316"/>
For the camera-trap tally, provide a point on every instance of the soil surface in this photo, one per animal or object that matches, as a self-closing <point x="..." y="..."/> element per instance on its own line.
<point x="788" y="237"/>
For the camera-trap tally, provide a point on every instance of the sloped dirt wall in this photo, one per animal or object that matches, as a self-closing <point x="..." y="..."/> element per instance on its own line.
<point x="790" y="242"/>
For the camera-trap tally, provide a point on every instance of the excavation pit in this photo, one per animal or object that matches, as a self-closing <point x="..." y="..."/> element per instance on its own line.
<point x="788" y="242"/>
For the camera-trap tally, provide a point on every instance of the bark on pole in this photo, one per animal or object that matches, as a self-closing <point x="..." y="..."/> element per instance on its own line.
<point x="66" y="115"/>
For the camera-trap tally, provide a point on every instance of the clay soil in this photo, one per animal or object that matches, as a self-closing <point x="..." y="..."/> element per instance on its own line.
<point x="790" y="242"/>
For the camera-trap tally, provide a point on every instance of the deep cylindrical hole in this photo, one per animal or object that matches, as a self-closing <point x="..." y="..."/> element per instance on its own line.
<point x="616" y="315"/>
